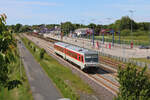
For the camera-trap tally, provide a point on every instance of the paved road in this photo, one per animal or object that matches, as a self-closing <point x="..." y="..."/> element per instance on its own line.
<point x="41" y="86"/>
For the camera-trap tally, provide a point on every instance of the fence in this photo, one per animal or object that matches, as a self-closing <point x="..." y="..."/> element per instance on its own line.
<point x="125" y="60"/>
<point x="128" y="42"/>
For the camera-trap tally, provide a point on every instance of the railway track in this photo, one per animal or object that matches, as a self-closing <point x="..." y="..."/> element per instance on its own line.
<point x="101" y="76"/>
<point x="112" y="63"/>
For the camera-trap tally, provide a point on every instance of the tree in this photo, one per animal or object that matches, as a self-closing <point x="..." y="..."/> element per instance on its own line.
<point x="125" y="32"/>
<point x="25" y="28"/>
<point x="67" y="27"/>
<point x="7" y="56"/>
<point x="98" y="29"/>
<point x="17" y="27"/>
<point x="92" y="25"/>
<point x="125" y="23"/>
<point x="134" y="84"/>
<point x="144" y="26"/>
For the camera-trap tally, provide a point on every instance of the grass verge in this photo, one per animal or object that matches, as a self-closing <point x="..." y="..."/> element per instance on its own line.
<point x="22" y="92"/>
<point x="69" y="84"/>
<point x="137" y="40"/>
<point x="142" y="60"/>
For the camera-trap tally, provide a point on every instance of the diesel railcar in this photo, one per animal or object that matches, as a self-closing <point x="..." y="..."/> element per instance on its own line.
<point x="82" y="57"/>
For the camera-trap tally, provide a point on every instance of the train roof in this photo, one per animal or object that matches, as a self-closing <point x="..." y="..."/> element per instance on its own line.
<point x="62" y="44"/>
<point x="76" y="48"/>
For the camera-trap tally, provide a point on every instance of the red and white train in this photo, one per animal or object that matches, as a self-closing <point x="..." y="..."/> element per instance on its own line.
<point x="82" y="57"/>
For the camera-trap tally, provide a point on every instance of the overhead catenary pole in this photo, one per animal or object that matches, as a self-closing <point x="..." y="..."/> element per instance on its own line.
<point x="103" y="37"/>
<point x="93" y="37"/>
<point x="119" y="36"/>
<point x="61" y="32"/>
<point x="112" y="37"/>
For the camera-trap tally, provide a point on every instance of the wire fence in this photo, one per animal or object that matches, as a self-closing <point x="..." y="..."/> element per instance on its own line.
<point x="125" y="60"/>
<point x="128" y="42"/>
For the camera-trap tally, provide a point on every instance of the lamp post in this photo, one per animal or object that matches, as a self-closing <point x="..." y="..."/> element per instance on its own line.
<point x="131" y="11"/>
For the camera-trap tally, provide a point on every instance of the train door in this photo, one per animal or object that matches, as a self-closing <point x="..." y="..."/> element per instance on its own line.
<point x="65" y="51"/>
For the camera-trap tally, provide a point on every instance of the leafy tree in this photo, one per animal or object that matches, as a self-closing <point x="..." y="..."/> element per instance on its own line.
<point x="125" y="32"/>
<point x="51" y="26"/>
<point x="7" y="55"/>
<point x="17" y="27"/>
<point x="25" y="28"/>
<point x="67" y="27"/>
<point x="92" y="25"/>
<point x="98" y="29"/>
<point x="125" y="23"/>
<point x="134" y="84"/>
<point x="145" y="26"/>
<point x="11" y="28"/>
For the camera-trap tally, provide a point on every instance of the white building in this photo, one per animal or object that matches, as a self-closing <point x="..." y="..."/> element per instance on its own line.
<point x="82" y="31"/>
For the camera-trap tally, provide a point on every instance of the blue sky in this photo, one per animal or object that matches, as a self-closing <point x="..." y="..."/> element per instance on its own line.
<point x="77" y="11"/>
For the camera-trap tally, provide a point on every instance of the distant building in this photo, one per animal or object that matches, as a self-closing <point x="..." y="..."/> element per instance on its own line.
<point x="83" y="31"/>
<point x="56" y="31"/>
<point x="35" y="31"/>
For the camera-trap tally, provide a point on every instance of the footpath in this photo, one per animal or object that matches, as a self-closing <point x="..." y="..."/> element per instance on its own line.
<point x="41" y="86"/>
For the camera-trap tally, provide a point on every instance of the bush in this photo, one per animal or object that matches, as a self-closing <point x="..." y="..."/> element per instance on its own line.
<point x="29" y="43"/>
<point x="42" y="52"/>
<point x="134" y="84"/>
<point x="140" y="33"/>
<point x="34" y="49"/>
<point x="125" y="32"/>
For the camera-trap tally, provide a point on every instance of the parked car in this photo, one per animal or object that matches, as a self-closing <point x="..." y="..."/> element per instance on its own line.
<point x="144" y="47"/>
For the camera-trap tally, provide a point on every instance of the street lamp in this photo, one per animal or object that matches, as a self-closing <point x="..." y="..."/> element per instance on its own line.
<point x="131" y="11"/>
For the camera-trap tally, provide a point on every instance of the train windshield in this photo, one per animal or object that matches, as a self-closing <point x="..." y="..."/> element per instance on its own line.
<point x="91" y="58"/>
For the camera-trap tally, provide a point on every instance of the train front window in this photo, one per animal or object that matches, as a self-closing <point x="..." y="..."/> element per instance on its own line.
<point x="91" y="58"/>
<point x="88" y="58"/>
<point x="95" y="58"/>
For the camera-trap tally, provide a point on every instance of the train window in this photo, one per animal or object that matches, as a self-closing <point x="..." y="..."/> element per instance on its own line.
<point x="79" y="58"/>
<point x="76" y="56"/>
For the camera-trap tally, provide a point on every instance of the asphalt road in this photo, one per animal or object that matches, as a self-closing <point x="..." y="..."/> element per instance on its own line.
<point x="41" y="86"/>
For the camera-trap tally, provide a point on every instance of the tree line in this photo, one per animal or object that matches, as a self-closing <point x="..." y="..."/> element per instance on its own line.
<point x="122" y="25"/>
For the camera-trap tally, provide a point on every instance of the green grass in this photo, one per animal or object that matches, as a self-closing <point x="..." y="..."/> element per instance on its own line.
<point x="69" y="84"/>
<point x="142" y="60"/>
<point x="137" y="40"/>
<point x="23" y="91"/>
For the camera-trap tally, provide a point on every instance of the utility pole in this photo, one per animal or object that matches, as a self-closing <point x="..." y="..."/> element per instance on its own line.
<point x="61" y="32"/>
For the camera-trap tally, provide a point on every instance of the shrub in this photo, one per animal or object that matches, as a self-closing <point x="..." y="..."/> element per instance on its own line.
<point x="125" y="32"/>
<point x="34" y="49"/>
<point x="29" y="43"/>
<point x="134" y="84"/>
<point x="42" y="52"/>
